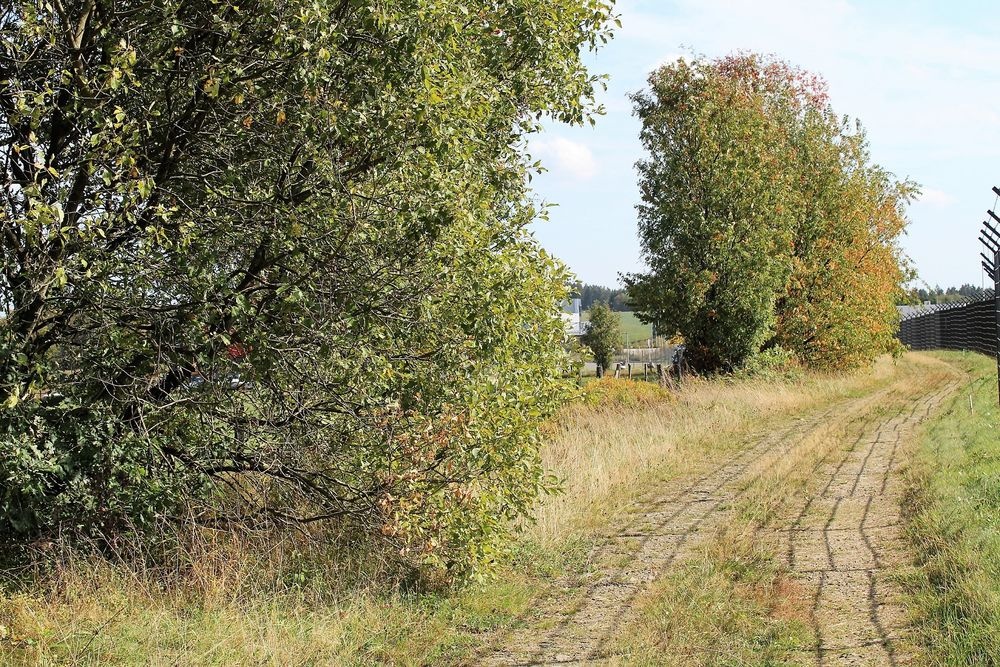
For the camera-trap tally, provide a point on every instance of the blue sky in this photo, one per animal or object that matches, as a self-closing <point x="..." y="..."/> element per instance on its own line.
<point x="923" y="77"/>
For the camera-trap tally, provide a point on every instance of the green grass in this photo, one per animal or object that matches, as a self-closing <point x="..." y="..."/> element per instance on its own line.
<point x="632" y="328"/>
<point x="718" y="609"/>
<point x="954" y="505"/>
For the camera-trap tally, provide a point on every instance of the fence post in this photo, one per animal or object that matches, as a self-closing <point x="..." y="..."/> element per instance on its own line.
<point x="996" y="299"/>
<point x="990" y="237"/>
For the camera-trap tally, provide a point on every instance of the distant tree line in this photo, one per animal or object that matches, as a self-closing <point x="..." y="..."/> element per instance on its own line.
<point x="938" y="295"/>
<point x="616" y="299"/>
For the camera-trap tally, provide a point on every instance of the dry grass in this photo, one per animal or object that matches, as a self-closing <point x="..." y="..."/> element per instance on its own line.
<point x="228" y="608"/>
<point x="277" y="601"/>
<point x="732" y="602"/>
<point x="609" y="453"/>
<point x="717" y="609"/>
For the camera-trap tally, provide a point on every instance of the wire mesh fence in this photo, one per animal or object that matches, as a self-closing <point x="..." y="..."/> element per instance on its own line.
<point x="960" y="326"/>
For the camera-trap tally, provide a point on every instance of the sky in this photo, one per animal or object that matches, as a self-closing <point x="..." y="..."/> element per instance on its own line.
<point x="923" y="77"/>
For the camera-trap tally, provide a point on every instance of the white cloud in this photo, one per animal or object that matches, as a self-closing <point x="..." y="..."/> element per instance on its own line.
<point x="924" y="78"/>
<point x="916" y="81"/>
<point x="566" y="158"/>
<point x="933" y="197"/>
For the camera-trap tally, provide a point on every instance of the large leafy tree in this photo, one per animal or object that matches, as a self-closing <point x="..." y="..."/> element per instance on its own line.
<point x="716" y="205"/>
<point x="839" y="309"/>
<point x="271" y="256"/>
<point x="763" y="221"/>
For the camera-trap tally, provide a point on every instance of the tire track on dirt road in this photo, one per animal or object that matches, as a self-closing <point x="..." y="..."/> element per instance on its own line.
<point x="846" y="539"/>
<point x="663" y="530"/>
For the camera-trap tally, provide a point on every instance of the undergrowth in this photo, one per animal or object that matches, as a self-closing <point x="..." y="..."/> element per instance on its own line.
<point x="610" y="393"/>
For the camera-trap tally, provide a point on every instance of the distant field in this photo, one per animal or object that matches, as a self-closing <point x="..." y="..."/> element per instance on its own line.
<point x="631" y="326"/>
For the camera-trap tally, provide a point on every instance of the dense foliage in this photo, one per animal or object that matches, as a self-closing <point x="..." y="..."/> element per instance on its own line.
<point x="764" y="222"/>
<point x="616" y="299"/>
<point x="603" y="335"/>
<point x="268" y="262"/>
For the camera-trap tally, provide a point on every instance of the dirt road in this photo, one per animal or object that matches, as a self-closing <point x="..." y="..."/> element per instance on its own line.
<point x="838" y="539"/>
<point x="847" y="536"/>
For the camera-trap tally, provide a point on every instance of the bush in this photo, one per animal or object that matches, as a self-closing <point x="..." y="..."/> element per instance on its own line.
<point x="775" y="363"/>
<point x="274" y="263"/>
<point x="619" y="393"/>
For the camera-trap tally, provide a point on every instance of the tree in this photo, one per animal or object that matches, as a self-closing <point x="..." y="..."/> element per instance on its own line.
<point x="620" y="303"/>
<point x="915" y="296"/>
<point x="763" y="220"/>
<point x="839" y="310"/>
<point x="271" y="261"/>
<point x="971" y="291"/>
<point x="603" y="335"/>
<point x="715" y="218"/>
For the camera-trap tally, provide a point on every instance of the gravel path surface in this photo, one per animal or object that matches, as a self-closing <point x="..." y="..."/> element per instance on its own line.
<point x="838" y="542"/>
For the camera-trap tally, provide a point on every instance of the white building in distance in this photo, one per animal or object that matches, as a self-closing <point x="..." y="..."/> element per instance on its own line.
<point x="571" y="317"/>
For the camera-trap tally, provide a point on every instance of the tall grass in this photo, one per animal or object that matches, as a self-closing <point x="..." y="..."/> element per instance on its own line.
<point x="954" y="510"/>
<point x="611" y="452"/>
<point x="288" y="599"/>
<point x="243" y="600"/>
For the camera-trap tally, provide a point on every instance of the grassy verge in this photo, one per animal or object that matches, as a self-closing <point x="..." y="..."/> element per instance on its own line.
<point x="234" y="609"/>
<point x="955" y="523"/>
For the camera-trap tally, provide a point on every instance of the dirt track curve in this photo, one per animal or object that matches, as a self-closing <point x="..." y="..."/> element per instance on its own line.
<point x="845" y="538"/>
<point x="837" y="541"/>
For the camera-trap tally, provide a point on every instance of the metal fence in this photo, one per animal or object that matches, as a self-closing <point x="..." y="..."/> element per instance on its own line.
<point x="974" y="325"/>
<point x="959" y="326"/>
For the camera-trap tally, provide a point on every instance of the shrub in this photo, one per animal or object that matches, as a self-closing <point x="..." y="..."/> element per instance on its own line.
<point x="620" y="393"/>
<point x="775" y="363"/>
<point x="274" y="262"/>
<point x="603" y="335"/>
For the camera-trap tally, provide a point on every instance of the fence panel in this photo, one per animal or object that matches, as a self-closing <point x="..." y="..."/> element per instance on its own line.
<point x="964" y="326"/>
